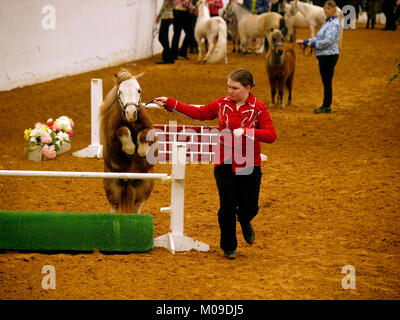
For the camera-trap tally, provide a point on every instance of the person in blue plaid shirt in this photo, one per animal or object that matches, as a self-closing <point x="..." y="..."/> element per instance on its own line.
<point x="327" y="52"/>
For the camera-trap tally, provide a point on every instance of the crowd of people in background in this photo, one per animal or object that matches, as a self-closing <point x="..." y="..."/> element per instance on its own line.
<point x="182" y="15"/>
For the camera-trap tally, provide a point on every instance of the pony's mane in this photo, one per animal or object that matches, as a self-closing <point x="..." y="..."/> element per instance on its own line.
<point x="119" y="77"/>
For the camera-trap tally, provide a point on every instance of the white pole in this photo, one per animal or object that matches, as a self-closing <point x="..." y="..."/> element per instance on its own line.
<point x="176" y="240"/>
<point x="95" y="149"/>
<point x="96" y="101"/>
<point x="178" y="188"/>
<point x="72" y="174"/>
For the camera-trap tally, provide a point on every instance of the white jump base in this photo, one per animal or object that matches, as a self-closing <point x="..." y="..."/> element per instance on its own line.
<point x="175" y="240"/>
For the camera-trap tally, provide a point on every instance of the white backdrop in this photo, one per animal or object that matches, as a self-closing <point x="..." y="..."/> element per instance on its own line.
<point x="42" y="40"/>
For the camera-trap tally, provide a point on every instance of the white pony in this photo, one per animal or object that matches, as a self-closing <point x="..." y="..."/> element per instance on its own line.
<point x="210" y="28"/>
<point x="294" y="19"/>
<point x="252" y="26"/>
<point x="316" y="17"/>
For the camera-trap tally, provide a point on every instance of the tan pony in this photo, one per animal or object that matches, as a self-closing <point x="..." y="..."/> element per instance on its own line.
<point x="126" y="133"/>
<point x="252" y="26"/>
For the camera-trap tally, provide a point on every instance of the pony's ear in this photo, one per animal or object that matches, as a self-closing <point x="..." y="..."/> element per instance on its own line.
<point x="139" y="75"/>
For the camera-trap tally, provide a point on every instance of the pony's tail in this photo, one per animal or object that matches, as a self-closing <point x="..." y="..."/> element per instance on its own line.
<point x="219" y="51"/>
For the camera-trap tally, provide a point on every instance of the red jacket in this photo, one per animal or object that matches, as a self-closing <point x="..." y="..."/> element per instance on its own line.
<point x="253" y="116"/>
<point x="214" y="6"/>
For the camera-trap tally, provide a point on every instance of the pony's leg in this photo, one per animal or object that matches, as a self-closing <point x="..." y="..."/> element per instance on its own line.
<point x="289" y="83"/>
<point x="199" y="45"/>
<point x="200" y="52"/>
<point x="273" y="92"/>
<point x="124" y="135"/>
<point x="211" y="46"/>
<point x="281" y="90"/>
<point x="113" y="193"/>
<point x="144" y="139"/>
<point x="128" y="199"/>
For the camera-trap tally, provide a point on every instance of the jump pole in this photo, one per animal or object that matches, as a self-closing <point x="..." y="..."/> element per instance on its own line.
<point x="95" y="149"/>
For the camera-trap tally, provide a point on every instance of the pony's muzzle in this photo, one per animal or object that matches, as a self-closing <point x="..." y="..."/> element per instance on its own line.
<point x="131" y="113"/>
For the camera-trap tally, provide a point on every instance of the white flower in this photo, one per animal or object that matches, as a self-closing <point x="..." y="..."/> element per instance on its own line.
<point x="62" y="136"/>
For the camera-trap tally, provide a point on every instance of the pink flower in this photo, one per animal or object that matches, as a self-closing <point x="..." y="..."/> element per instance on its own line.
<point x="71" y="122"/>
<point x="57" y="127"/>
<point x="70" y="134"/>
<point x="46" y="138"/>
<point x="49" y="152"/>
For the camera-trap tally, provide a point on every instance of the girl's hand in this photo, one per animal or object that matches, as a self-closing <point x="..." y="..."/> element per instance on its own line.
<point x="299" y="42"/>
<point x="160" y="101"/>
<point x="238" y="132"/>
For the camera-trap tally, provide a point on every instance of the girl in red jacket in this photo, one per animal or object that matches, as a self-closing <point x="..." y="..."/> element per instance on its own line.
<point x="244" y="122"/>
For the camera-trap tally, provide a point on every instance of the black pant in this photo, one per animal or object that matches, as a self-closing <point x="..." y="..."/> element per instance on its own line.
<point x="190" y="41"/>
<point x="326" y="69"/>
<point x="388" y="9"/>
<point x="182" y="21"/>
<point x="163" y="37"/>
<point x="238" y="196"/>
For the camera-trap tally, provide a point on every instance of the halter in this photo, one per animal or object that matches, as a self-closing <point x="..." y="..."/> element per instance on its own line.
<point x="124" y="105"/>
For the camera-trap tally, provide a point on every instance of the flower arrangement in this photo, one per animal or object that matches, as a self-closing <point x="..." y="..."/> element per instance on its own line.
<point x="50" y="137"/>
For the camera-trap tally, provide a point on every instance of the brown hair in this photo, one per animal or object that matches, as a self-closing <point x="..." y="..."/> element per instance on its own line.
<point x="330" y="3"/>
<point x="243" y="76"/>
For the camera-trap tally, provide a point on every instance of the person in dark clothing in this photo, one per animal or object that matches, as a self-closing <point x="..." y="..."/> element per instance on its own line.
<point x="182" y="21"/>
<point x="166" y="18"/>
<point x="389" y="7"/>
<point x="326" y="51"/>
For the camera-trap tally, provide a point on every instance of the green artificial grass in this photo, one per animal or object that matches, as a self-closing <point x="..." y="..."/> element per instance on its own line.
<point x="75" y="231"/>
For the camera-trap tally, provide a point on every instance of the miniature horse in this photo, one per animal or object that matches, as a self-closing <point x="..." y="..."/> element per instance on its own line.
<point x="210" y="28"/>
<point x="280" y="67"/>
<point x="126" y="133"/>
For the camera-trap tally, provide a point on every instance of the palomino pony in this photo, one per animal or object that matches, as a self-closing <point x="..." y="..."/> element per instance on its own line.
<point x="281" y="63"/>
<point x="210" y="28"/>
<point x="126" y="133"/>
<point x="316" y="17"/>
<point x="252" y="26"/>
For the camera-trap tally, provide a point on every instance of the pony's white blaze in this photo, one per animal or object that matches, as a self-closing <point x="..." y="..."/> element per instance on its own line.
<point x="130" y="97"/>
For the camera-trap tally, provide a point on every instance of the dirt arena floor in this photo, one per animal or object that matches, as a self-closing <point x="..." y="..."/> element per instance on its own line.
<point x="330" y="189"/>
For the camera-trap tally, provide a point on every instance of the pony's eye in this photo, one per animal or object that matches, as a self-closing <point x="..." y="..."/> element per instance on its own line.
<point x="139" y="90"/>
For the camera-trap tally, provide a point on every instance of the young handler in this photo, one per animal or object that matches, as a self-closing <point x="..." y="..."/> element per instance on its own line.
<point x="244" y="122"/>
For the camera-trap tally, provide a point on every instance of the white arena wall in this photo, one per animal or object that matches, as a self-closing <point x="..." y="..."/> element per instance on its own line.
<point x="41" y="40"/>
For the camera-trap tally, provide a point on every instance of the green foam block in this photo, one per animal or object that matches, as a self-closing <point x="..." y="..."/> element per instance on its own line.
<point x="75" y="231"/>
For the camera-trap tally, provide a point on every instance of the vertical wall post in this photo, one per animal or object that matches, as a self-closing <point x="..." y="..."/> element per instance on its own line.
<point x="95" y="149"/>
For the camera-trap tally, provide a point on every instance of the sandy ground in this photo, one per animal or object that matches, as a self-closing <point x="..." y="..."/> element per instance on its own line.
<point x="329" y="198"/>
